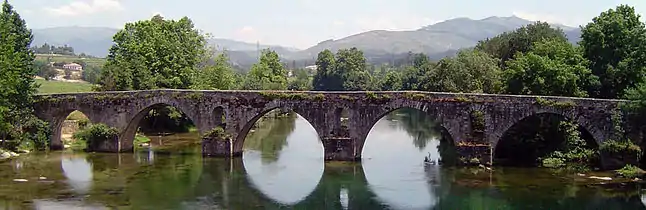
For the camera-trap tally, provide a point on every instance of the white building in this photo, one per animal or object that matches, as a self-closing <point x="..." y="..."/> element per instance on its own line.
<point x="73" y="67"/>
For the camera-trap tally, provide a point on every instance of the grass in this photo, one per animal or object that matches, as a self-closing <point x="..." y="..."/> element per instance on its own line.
<point x="76" y="115"/>
<point x="140" y="139"/>
<point x="62" y="87"/>
<point x="68" y="58"/>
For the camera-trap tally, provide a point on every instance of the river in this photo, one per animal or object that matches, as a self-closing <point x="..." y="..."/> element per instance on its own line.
<point x="283" y="168"/>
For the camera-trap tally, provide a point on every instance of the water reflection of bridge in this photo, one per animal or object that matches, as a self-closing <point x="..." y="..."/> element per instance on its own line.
<point x="215" y="183"/>
<point x="342" y="186"/>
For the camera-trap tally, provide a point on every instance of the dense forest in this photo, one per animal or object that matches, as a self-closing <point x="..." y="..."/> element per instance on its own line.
<point x="535" y="59"/>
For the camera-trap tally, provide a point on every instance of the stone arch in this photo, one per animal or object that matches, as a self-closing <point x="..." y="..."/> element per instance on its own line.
<point x="127" y="136"/>
<point x="57" y="121"/>
<point x="597" y="134"/>
<point x="584" y="125"/>
<point x="242" y="134"/>
<point x="440" y="119"/>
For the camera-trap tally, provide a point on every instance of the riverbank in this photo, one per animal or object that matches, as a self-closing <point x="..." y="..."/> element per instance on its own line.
<point x="7" y="155"/>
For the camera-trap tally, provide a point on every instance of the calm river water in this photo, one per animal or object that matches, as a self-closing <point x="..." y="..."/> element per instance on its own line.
<point x="283" y="168"/>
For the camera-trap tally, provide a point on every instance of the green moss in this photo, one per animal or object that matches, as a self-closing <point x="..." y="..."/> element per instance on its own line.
<point x="347" y="97"/>
<point x="562" y="105"/>
<point x="462" y="99"/>
<point x="194" y="96"/>
<point x="319" y="97"/>
<point x="380" y="98"/>
<point x="414" y="96"/>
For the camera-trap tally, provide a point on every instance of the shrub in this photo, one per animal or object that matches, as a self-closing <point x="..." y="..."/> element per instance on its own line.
<point x="553" y="162"/>
<point x="217" y="133"/>
<point x="95" y="134"/>
<point x="630" y="171"/>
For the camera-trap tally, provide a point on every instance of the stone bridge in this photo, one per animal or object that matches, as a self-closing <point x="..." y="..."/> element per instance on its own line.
<point x="475" y="122"/>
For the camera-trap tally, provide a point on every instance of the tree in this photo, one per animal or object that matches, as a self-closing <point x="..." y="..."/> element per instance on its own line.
<point x="615" y="44"/>
<point x="154" y="53"/>
<point x="506" y="45"/>
<point x="301" y="81"/>
<point x="551" y="67"/>
<point x="471" y="71"/>
<point x="91" y="74"/>
<point x="413" y="76"/>
<point x="17" y="85"/>
<point x="327" y="77"/>
<point x="218" y="76"/>
<point x="268" y="74"/>
<point x="351" y="64"/>
<point x="392" y="81"/>
<point x="45" y="70"/>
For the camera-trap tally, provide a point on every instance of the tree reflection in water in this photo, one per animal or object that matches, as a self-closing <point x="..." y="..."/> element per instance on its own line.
<point x="269" y="134"/>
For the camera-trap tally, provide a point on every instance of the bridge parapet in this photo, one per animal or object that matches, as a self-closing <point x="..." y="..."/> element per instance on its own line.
<point x="475" y="122"/>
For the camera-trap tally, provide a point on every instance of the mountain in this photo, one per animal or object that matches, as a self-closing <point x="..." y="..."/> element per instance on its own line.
<point x="89" y="40"/>
<point x="437" y="39"/>
<point x="379" y="46"/>
<point x="234" y="45"/>
<point x="97" y="41"/>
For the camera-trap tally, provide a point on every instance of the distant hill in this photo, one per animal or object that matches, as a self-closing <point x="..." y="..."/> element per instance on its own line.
<point x="380" y="46"/>
<point x="89" y="40"/>
<point x="447" y="36"/>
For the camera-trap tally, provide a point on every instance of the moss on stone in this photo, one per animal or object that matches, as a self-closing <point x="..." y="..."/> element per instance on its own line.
<point x="556" y="104"/>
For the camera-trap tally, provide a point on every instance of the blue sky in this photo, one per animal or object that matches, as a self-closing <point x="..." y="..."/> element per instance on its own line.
<point x="303" y="23"/>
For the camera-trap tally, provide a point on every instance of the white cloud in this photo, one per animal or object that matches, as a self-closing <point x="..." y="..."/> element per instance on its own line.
<point x="157" y="13"/>
<point x="85" y="7"/>
<point x="338" y="23"/>
<point x="247" y="34"/>
<point x="546" y="18"/>
<point x="246" y="30"/>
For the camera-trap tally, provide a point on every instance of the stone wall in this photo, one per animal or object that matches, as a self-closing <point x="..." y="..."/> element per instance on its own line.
<point x="236" y="112"/>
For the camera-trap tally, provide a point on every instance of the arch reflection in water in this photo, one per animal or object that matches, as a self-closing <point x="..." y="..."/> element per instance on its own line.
<point x="393" y="159"/>
<point x="283" y="157"/>
<point x="78" y="172"/>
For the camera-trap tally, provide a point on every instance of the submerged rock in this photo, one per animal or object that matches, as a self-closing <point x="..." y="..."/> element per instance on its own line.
<point x="7" y="154"/>
<point x="601" y="178"/>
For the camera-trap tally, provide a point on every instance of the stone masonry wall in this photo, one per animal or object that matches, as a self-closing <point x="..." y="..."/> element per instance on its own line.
<point x="236" y="112"/>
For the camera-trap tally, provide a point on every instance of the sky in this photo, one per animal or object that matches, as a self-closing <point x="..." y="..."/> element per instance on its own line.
<point x="304" y="23"/>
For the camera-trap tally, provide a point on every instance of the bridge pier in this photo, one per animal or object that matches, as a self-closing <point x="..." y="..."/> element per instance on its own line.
<point x="340" y="149"/>
<point x="474" y="154"/>
<point x="219" y="146"/>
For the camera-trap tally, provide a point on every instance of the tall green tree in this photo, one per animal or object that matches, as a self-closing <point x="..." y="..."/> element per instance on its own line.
<point x="17" y="85"/>
<point x="615" y="44"/>
<point x="506" y="45"/>
<point x="216" y="76"/>
<point x="268" y="74"/>
<point x="300" y="81"/>
<point x="327" y="77"/>
<point x="471" y="71"/>
<point x="351" y="63"/>
<point x="155" y="53"/>
<point x="551" y="67"/>
<point x="392" y="81"/>
<point x="413" y="75"/>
